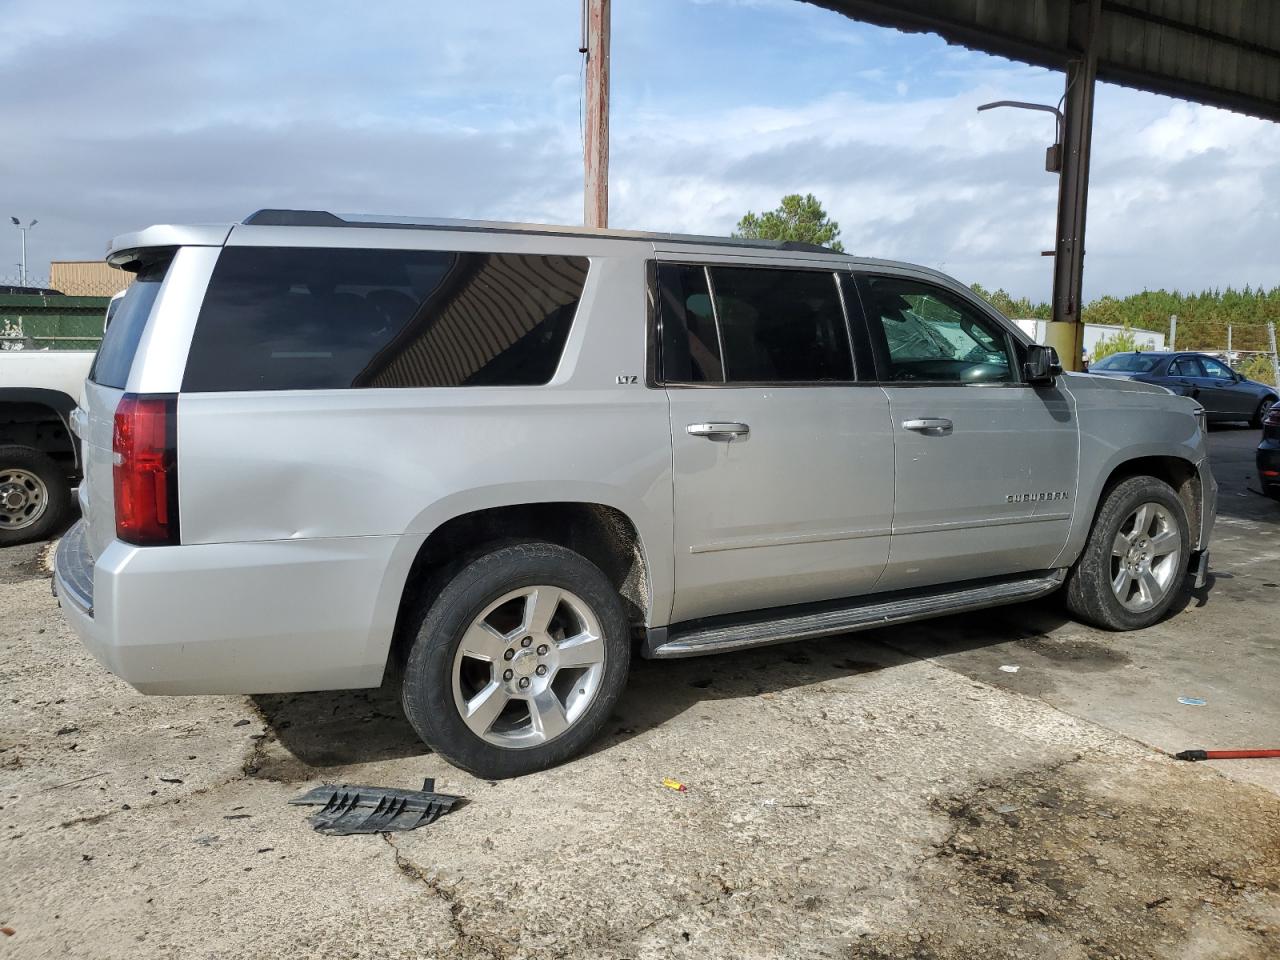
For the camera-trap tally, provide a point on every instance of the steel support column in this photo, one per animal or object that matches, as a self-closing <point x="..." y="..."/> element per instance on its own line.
<point x="1066" y="333"/>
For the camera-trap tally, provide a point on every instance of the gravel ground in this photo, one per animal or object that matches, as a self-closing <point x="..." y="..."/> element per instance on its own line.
<point x="877" y="796"/>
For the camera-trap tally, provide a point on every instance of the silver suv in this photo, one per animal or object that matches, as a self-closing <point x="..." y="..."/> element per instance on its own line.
<point x="494" y="460"/>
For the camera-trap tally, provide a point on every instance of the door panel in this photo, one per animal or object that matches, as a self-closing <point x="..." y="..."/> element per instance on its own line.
<point x="798" y="510"/>
<point x="993" y="496"/>
<point x="985" y="466"/>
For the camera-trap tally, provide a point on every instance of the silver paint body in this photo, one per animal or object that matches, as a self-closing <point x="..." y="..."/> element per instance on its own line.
<point x="290" y="575"/>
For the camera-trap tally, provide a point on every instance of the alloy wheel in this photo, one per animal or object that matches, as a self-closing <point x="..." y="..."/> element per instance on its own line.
<point x="1145" y="557"/>
<point x="528" y="667"/>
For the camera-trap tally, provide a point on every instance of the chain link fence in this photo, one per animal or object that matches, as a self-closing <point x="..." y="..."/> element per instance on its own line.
<point x="34" y="316"/>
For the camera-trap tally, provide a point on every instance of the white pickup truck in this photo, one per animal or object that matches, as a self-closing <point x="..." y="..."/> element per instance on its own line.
<point x="39" y="454"/>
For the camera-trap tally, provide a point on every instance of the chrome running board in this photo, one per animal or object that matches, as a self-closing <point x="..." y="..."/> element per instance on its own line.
<point x="694" y="639"/>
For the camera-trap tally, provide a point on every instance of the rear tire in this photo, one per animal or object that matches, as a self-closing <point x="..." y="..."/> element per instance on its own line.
<point x="35" y="496"/>
<point x="1134" y="563"/>
<point x="518" y="661"/>
<point x="1261" y="412"/>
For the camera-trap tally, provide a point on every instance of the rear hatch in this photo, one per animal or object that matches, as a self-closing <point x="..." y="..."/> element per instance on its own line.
<point x="108" y="379"/>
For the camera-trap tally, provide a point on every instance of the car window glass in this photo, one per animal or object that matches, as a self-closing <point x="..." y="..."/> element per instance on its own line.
<point x="926" y="333"/>
<point x="318" y="318"/>
<point x="1185" y="367"/>
<point x="690" y="347"/>
<point x="1212" y="368"/>
<point x="1127" y="363"/>
<point x="123" y="333"/>
<point x="781" y="326"/>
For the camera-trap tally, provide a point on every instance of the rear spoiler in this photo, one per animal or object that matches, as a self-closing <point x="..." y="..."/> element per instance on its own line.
<point x="130" y="250"/>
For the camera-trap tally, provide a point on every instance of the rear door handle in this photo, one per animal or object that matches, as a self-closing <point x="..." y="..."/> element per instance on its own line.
<point x="723" y="432"/>
<point x="928" y="425"/>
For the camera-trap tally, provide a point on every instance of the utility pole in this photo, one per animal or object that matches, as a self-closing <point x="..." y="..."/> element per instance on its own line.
<point x="595" y="44"/>
<point x="1173" y="331"/>
<point x="1228" y="344"/>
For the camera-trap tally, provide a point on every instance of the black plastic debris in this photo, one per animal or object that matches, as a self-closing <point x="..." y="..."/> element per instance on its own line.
<point x="348" y="809"/>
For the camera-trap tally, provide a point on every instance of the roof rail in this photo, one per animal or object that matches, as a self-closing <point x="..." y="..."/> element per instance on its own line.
<point x="322" y="218"/>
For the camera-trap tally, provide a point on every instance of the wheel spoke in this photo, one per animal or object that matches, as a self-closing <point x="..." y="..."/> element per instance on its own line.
<point x="1122" y="583"/>
<point x="1142" y="521"/>
<point x="484" y="707"/>
<point x="1149" y="587"/>
<point x="539" y="607"/>
<point x="482" y="642"/>
<point x="547" y="713"/>
<point x="1165" y="542"/>
<point x="584" y="650"/>
<point x="1120" y="547"/>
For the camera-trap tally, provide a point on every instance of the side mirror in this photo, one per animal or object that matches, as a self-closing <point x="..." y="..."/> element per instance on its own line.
<point x="1042" y="365"/>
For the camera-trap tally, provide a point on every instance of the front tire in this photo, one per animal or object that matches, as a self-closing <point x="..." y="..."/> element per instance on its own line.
<point x="34" y="495"/>
<point x="518" y="661"/>
<point x="1134" y="563"/>
<point x="1261" y="412"/>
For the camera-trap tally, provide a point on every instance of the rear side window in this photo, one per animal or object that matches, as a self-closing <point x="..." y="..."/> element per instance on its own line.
<point x="315" y="318"/>
<point x="751" y="325"/>
<point x="125" y="324"/>
<point x="781" y="326"/>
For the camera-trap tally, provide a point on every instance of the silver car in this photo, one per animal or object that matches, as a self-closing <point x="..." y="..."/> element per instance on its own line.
<point x="494" y="461"/>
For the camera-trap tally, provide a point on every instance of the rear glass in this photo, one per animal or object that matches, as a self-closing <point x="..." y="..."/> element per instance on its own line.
<point x="124" y="329"/>
<point x="313" y="318"/>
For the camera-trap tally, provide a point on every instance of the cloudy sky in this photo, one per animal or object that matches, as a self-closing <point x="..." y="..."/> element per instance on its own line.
<point x="208" y="111"/>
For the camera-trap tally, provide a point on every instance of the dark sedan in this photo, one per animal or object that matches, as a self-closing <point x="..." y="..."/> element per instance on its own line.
<point x="1224" y="394"/>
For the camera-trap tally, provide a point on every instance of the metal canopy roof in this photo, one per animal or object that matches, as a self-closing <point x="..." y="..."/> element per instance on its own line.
<point x="1225" y="53"/>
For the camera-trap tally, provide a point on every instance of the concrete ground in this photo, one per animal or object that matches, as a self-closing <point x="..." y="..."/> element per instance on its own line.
<point x="892" y="794"/>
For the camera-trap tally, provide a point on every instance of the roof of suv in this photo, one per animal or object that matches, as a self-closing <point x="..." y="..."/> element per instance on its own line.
<point x="322" y="218"/>
<point x="128" y="250"/>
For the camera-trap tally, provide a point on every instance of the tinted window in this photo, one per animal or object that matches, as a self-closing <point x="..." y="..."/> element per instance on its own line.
<point x="289" y="319"/>
<point x="1128" y="363"/>
<point x="1184" y="367"/>
<point x="926" y="333"/>
<point x="127" y="321"/>
<point x="780" y="326"/>
<point x="690" y="346"/>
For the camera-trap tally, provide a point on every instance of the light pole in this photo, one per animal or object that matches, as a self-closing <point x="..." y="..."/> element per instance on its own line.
<point x="23" y="267"/>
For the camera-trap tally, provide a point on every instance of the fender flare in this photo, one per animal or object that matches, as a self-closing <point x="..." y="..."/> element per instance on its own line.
<point x="60" y="403"/>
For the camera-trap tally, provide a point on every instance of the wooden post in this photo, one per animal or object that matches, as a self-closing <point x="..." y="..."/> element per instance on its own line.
<point x="596" y="134"/>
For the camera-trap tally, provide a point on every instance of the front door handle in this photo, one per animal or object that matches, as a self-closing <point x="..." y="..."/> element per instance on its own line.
<point x="723" y="432"/>
<point x="928" y="425"/>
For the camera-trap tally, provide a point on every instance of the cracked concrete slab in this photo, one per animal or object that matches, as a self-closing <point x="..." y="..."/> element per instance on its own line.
<point x="888" y="795"/>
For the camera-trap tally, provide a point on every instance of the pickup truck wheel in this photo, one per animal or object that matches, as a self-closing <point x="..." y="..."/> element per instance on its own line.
<point x="34" y="495"/>
<point x="518" y="661"/>
<point x="1134" y="564"/>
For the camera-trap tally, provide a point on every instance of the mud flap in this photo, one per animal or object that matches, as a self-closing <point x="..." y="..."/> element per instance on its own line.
<point x="346" y="810"/>
<point x="1199" y="568"/>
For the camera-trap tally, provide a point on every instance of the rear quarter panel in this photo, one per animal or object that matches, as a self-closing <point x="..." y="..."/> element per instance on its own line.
<point x="281" y="465"/>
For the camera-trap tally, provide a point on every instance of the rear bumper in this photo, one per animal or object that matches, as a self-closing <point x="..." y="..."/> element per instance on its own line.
<point x="267" y="617"/>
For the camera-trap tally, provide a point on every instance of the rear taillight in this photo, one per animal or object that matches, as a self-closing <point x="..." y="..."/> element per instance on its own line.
<point x="1272" y="419"/>
<point x="145" y="444"/>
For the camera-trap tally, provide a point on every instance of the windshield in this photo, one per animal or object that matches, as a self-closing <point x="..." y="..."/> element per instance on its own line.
<point x="1127" y="363"/>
